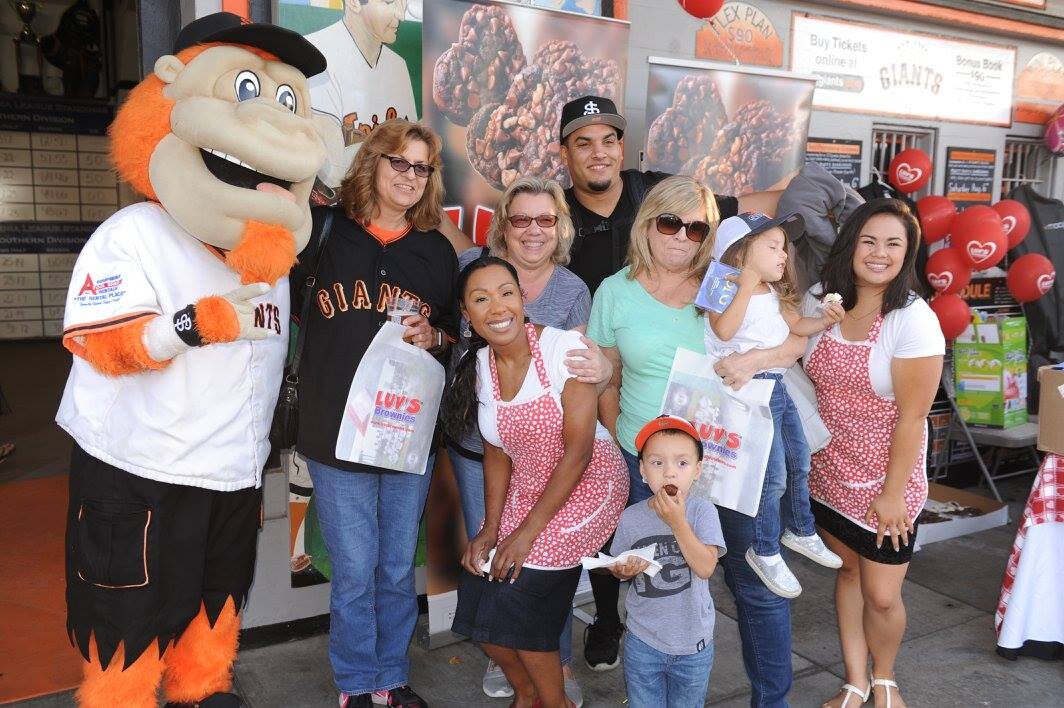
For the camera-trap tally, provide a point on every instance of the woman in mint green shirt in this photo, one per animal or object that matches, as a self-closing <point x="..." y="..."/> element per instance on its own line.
<point x="642" y="313"/>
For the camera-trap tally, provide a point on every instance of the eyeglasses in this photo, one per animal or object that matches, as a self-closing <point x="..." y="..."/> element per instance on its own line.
<point x="669" y="224"/>
<point x="402" y="165"/>
<point x="523" y="221"/>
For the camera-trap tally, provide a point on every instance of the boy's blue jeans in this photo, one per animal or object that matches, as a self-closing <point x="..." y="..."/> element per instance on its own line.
<point x="369" y="523"/>
<point x="659" y="680"/>
<point x="469" y="474"/>
<point x="785" y="493"/>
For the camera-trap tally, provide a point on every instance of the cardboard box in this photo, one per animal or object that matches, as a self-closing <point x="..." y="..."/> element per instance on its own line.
<point x="995" y="513"/>
<point x="1051" y="409"/>
<point x="990" y="371"/>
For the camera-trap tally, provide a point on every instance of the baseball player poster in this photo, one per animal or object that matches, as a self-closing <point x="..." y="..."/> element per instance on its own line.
<point x="735" y="130"/>
<point x="496" y="76"/>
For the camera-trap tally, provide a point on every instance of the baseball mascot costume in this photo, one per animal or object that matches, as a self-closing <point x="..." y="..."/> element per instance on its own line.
<point x="177" y="318"/>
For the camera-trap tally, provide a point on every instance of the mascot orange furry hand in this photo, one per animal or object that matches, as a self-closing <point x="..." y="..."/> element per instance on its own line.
<point x="177" y="316"/>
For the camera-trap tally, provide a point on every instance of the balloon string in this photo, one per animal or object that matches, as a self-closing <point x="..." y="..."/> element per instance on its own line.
<point x="728" y="49"/>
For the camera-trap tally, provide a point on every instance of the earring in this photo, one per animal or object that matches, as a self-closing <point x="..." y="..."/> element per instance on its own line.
<point x="466" y="332"/>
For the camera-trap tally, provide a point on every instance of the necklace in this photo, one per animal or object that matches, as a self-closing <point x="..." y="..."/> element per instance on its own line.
<point x="875" y="309"/>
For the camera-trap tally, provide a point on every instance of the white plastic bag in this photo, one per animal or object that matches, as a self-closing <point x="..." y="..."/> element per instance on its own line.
<point x="801" y="391"/>
<point x="735" y="427"/>
<point x="391" y="409"/>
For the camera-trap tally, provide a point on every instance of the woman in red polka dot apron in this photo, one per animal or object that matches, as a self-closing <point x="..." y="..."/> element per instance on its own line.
<point x="531" y="434"/>
<point x="554" y="480"/>
<point x="875" y="376"/>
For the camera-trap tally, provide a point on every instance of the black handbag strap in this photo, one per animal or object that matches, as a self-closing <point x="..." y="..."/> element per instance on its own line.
<point x="308" y="285"/>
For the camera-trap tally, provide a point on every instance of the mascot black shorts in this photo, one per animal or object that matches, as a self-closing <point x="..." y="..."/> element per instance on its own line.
<point x="143" y="556"/>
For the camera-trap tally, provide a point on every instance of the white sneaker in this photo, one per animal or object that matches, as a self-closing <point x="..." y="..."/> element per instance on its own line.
<point x="495" y="684"/>
<point x="812" y="547"/>
<point x="774" y="573"/>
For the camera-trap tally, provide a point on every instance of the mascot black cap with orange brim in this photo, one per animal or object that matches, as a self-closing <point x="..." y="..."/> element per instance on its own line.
<point x="288" y="46"/>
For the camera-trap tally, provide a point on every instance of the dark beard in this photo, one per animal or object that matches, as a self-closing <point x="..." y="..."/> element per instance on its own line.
<point x="599" y="186"/>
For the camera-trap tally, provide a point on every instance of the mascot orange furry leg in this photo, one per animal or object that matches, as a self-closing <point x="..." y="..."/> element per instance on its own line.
<point x="134" y="686"/>
<point x="201" y="662"/>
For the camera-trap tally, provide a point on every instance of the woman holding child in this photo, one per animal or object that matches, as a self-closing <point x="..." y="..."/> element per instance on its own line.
<point x="554" y="482"/>
<point x="640" y="316"/>
<point x="875" y="374"/>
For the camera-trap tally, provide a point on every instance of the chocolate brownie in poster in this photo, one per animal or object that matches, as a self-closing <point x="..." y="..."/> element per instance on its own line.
<point x="500" y="76"/>
<point x="736" y="131"/>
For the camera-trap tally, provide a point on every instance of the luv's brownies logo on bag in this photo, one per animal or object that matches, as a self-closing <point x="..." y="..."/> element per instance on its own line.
<point x="720" y="440"/>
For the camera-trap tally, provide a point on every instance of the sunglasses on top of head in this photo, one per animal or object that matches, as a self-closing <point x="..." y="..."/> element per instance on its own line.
<point x="669" y="224"/>
<point x="402" y="165"/>
<point x="523" y="221"/>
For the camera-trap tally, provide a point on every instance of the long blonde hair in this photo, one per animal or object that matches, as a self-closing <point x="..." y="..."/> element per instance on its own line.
<point x="533" y="185"/>
<point x="678" y="194"/>
<point x="358" y="191"/>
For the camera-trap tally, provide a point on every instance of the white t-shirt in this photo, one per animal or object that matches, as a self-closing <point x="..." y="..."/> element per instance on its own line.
<point x="763" y="327"/>
<point x="553" y="343"/>
<point x="349" y="86"/>
<point x="909" y="332"/>
<point x="202" y="420"/>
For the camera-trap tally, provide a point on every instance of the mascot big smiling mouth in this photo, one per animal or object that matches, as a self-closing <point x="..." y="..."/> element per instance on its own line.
<point x="177" y="316"/>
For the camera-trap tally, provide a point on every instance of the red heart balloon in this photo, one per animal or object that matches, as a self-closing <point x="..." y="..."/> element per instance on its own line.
<point x="978" y="232"/>
<point x="953" y="314"/>
<point x="947" y="270"/>
<point x="1015" y="219"/>
<point x="702" y="9"/>
<point x="1030" y="277"/>
<point x="910" y="170"/>
<point x="936" y="214"/>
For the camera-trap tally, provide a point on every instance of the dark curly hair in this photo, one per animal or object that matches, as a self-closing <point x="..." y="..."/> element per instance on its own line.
<point x="460" y="402"/>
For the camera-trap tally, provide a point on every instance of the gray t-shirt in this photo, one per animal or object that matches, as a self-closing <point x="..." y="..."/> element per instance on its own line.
<point x="565" y="303"/>
<point x="673" y="611"/>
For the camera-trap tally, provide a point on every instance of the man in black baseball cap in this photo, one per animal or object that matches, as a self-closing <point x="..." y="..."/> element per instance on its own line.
<point x="288" y="46"/>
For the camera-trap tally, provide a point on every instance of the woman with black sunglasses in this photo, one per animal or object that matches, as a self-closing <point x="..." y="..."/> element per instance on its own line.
<point x="644" y="312"/>
<point x="383" y="244"/>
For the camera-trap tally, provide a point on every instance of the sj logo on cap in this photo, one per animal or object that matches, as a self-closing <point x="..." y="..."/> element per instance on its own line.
<point x="591" y="108"/>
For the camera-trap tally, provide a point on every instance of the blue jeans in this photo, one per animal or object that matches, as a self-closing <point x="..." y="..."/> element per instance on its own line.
<point x="785" y="493"/>
<point x="369" y="523"/>
<point x="659" y="680"/>
<point x="470" y="477"/>
<point x="764" y="617"/>
<point x="638" y="490"/>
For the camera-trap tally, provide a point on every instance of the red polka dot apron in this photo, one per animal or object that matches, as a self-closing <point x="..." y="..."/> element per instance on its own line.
<point x="849" y="473"/>
<point x="531" y="434"/>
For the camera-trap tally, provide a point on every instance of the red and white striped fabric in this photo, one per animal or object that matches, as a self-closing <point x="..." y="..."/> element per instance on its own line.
<point x="1045" y="505"/>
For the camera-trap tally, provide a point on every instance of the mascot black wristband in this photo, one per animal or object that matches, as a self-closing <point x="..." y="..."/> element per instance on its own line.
<point x="185" y="326"/>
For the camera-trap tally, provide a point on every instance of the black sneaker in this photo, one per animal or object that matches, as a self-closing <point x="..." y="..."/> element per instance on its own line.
<point x="602" y="645"/>
<point x="362" y="700"/>
<point x="403" y="696"/>
<point x="215" y="700"/>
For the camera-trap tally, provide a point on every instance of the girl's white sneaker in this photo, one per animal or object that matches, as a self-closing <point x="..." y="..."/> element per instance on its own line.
<point x="775" y="574"/>
<point x="812" y="547"/>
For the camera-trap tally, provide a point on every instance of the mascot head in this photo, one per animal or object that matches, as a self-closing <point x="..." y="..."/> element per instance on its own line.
<point x="222" y="136"/>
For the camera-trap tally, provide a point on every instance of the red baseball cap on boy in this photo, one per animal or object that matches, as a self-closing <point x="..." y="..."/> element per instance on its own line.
<point x="666" y="422"/>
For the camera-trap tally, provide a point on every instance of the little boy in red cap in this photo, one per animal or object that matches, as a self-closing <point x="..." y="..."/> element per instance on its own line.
<point x="668" y="647"/>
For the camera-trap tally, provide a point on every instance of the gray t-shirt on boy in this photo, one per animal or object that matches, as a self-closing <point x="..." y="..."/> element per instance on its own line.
<point x="565" y="303"/>
<point x="672" y="612"/>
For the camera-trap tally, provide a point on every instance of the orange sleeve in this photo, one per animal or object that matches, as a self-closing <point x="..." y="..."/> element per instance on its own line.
<point x="117" y="351"/>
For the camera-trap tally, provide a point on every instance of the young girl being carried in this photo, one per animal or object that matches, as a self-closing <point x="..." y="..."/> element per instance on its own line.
<point x="762" y="314"/>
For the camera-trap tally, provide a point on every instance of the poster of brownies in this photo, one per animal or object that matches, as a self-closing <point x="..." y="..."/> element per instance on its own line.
<point x="737" y="131"/>
<point x="496" y="77"/>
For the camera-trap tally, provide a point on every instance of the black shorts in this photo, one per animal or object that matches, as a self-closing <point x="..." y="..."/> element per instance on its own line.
<point x="143" y="556"/>
<point x="528" y="614"/>
<point x="859" y="539"/>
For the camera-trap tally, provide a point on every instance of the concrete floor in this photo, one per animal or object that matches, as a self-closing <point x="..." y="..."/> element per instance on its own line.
<point x="947" y="658"/>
